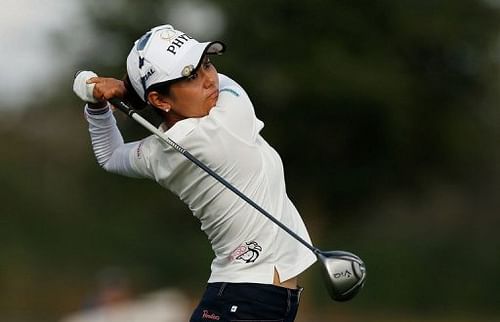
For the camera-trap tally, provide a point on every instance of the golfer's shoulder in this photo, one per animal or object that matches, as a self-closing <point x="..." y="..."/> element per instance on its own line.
<point x="233" y="111"/>
<point x="233" y="100"/>
<point x="232" y="97"/>
<point x="228" y="88"/>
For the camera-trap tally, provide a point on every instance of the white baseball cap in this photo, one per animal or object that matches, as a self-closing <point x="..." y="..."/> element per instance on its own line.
<point x="164" y="54"/>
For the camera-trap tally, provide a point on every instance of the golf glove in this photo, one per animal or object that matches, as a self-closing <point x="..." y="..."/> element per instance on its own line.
<point x="83" y="90"/>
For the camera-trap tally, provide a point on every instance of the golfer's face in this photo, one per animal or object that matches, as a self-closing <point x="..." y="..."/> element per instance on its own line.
<point x="197" y="94"/>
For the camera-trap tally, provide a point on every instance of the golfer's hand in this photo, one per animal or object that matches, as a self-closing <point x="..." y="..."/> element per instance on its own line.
<point x="96" y="90"/>
<point x="105" y="88"/>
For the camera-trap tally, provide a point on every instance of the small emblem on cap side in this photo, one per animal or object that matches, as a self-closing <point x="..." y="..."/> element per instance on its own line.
<point x="187" y="70"/>
<point x="168" y="35"/>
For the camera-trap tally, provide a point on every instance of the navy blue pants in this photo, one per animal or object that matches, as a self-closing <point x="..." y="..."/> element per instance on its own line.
<point x="249" y="302"/>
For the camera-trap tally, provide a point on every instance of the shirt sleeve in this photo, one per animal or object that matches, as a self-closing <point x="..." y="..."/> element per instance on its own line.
<point x="111" y="152"/>
<point x="235" y="111"/>
<point x="225" y="81"/>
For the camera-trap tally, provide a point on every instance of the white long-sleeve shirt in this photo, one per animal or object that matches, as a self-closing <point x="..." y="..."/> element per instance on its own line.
<point x="247" y="245"/>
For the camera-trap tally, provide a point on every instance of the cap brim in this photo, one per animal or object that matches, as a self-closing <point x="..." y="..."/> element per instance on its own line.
<point x="212" y="48"/>
<point x="209" y="48"/>
<point x="215" y="47"/>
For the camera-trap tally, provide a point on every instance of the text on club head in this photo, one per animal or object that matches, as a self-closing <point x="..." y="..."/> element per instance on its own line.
<point x="345" y="274"/>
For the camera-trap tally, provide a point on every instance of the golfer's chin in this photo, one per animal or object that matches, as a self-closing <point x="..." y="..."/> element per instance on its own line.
<point x="210" y="105"/>
<point x="204" y="111"/>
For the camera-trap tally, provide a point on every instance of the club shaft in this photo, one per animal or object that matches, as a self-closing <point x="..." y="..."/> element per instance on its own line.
<point x="139" y="119"/>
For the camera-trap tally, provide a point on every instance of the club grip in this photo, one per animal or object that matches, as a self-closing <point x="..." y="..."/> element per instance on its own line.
<point x="122" y="106"/>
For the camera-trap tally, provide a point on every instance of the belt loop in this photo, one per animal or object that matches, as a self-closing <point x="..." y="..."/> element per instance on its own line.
<point x="221" y="290"/>
<point x="288" y="301"/>
<point x="299" y="293"/>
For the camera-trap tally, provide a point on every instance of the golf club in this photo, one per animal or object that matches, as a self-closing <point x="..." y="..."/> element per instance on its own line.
<point x="344" y="273"/>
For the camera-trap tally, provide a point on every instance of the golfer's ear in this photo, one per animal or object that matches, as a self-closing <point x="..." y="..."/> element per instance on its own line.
<point x="159" y="101"/>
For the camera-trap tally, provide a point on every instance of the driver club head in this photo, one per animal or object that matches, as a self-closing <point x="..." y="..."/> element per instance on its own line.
<point x="344" y="274"/>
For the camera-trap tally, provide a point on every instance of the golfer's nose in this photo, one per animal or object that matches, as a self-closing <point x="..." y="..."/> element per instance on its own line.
<point x="208" y="79"/>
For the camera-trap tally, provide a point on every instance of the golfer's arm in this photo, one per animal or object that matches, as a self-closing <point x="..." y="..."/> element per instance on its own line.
<point x="111" y="152"/>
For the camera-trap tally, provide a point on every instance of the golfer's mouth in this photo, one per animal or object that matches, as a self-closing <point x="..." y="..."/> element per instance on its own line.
<point x="214" y="95"/>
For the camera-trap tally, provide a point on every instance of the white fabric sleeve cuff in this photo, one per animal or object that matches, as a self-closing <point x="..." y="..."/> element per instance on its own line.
<point x="97" y="113"/>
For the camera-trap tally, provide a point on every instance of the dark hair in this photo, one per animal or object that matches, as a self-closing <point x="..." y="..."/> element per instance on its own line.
<point x="156" y="115"/>
<point x="162" y="88"/>
<point x="135" y="100"/>
<point x="131" y="96"/>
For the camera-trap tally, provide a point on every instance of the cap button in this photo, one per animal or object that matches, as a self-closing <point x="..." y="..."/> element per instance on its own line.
<point x="187" y="70"/>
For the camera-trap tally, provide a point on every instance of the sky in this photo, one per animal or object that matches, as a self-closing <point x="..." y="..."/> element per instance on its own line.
<point x="29" y="60"/>
<point x="32" y="59"/>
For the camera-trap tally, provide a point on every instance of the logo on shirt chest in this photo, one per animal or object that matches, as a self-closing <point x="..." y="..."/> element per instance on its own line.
<point x="247" y="252"/>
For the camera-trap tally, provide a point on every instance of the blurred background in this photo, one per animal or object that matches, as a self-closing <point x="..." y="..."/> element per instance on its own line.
<point x="385" y="114"/>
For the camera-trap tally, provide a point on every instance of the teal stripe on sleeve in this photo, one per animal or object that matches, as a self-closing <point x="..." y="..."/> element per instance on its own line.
<point x="230" y="90"/>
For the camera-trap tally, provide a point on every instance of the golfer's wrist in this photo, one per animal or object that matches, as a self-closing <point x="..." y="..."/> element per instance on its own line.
<point x="95" y="111"/>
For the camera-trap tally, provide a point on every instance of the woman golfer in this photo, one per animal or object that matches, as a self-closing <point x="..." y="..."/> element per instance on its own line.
<point x="256" y="265"/>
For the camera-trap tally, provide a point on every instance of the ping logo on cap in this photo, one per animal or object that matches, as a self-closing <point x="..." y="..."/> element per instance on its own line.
<point x="177" y="43"/>
<point x="145" y="78"/>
